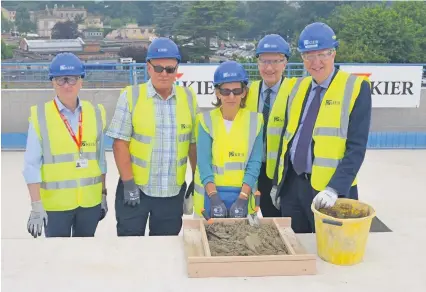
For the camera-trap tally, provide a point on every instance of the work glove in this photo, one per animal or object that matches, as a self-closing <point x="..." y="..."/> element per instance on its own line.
<point x="239" y="208"/>
<point x="188" y="200"/>
<point x="217" y="207"/>
<point x="104" y="207"/>
<point x="325" y="199"/>
<point x="276" y="200"/>
<point x="131" y="193"/>
<point x="38" y="219"/>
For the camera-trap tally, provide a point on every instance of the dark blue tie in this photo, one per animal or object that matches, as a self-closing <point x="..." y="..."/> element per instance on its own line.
<point x="303" y="144"/>
<point x="266" y="108"/>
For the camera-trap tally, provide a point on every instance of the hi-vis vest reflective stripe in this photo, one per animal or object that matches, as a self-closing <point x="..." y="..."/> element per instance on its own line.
<point x="230" y="151"/>
<point x="144" y="120"/>
<point x="275" y="120"/>
<point x="65" y="187"/>
<point x="331" y="126"/>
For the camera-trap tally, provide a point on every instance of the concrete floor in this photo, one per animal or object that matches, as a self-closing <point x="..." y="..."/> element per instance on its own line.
<point x="392" y="181"/>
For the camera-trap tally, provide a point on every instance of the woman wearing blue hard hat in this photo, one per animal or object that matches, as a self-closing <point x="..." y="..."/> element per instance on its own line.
<point x="65" y="163"/>
<point x="326" y="132"/>
<point x="229" y="149"/>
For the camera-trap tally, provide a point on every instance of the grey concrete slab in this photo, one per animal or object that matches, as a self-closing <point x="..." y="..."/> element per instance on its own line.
<point x="392" y="181"/>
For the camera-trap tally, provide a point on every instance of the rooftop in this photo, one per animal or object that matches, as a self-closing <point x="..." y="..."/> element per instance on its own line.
<point x="60" y="43"/>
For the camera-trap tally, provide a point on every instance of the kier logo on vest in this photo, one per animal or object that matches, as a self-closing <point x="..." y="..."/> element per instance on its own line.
<point x="88" y="144"/>
<point x="235" y="154"/>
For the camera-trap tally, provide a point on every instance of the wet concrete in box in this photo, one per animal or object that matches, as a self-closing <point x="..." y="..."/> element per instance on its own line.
<point x="241" y="239"/>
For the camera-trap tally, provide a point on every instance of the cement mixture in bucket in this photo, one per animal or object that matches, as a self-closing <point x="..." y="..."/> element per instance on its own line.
<point x="241" y="239"/>
<point x="345" y="211"/>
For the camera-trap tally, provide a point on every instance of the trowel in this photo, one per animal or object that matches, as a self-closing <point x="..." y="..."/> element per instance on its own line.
<point x="253" y="218"/>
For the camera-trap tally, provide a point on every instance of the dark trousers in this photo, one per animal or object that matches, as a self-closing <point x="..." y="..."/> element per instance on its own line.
<point x="80" y="222"/>
<point x="265" y="186"/>
<point x="296" y="196"/>
<point x="165" y="214"/>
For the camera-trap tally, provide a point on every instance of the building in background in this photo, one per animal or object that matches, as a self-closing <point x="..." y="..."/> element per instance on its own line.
<point x="132" y="32"/>
<point x="9" y="15"/>
<point x="51" y="46"/>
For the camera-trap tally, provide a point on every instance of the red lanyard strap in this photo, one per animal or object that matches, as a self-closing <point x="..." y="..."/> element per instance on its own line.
<point x="67" y="124"/>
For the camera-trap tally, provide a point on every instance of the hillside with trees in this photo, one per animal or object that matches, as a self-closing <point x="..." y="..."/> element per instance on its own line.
<point x="369" y="31"/>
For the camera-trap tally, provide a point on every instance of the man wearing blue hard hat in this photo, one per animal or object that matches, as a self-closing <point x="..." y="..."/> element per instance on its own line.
<point x="229" y="149"/>
<point x="153" y="131"/>
<point x="269" y="97"/>
<point x="325" y="134"/>
<point x="65" y="164"/>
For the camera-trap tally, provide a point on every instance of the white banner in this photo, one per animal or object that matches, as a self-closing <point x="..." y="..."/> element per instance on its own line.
<point x="200" y="78"/>
<point x="391" y="86"/>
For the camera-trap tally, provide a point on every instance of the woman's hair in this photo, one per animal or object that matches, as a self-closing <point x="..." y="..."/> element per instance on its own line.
<point x="218" y="102"/>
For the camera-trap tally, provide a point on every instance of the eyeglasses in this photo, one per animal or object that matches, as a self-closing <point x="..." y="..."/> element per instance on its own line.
<point x="321" y="56"/>
<point x="159" y="69"/>
<point x="271" y="62"/>
<point x="71" y="80"/>
<point x="227" y="92"/>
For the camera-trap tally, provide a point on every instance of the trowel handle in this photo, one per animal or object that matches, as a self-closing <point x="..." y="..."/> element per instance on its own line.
<point x="257" y="200"/>
<point x="206" y="216"/>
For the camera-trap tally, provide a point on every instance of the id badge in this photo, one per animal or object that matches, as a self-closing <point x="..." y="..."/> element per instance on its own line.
<point x="81" y="163"/>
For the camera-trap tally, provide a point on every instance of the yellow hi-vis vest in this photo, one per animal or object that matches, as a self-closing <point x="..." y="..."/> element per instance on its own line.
<point x="65" y="187"/>
<point x="230" y="151"/>
<point x="331" y="126"/>
<point x="142" y="109"/>
<point x="275" y="120"/>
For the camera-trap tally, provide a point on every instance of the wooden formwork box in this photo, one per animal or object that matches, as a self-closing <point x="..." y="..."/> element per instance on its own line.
<point x="201" y="264"/>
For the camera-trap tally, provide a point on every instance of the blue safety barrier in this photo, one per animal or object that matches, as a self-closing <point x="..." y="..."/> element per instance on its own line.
<point x="376" y="140"/>
<point x="117" y="75"/>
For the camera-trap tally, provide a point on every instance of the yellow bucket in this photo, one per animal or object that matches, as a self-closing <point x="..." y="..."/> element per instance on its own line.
<point x="343" y="241"/>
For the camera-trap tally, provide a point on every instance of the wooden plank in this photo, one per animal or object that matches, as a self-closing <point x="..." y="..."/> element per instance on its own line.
<point x="272" y="258"/>
<point x="191" y="223"/>
<point x="255" y="269"/>
<point x="282" y="221"/>
<point x="192" y="243"/>
<point x="294" y="241"/>
<point x="204" y="240"/>
<point x="284" y="239"/>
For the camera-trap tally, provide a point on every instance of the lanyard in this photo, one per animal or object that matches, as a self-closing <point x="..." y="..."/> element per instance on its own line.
<point x="67" y="124"/>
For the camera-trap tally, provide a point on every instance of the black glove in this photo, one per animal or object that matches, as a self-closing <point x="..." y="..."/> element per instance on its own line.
<point x="190" y="190"/>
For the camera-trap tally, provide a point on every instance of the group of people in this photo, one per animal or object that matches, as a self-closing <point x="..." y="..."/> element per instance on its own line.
<point x="296" y="141"/>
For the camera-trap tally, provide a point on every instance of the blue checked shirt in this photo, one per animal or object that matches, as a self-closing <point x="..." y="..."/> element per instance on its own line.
<point x="162" y="175"/>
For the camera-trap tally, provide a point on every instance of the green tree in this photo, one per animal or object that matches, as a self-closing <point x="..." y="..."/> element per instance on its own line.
<point x="206" y="20"/>
<point x="6" y="51"/>
<point x="79" y="19"/>
<point x="65" y="30"/>
<point x="166" y="16"/>
<point x="380" y="33"/>
<point x="22" y="20"/>
<point x="116" y="23"/>
<point x="6" y="25"/>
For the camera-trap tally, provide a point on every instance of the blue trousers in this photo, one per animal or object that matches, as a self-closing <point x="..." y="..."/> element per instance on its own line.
<point x="80" y="222"/>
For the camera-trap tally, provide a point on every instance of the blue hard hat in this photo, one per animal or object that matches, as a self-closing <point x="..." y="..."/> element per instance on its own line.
<point x="230" y="71"/>
<point x="273" y="43"/>
<point x="163" y="48"/>
<point x="317" y="36"/>
<point x="66" y="64"/>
